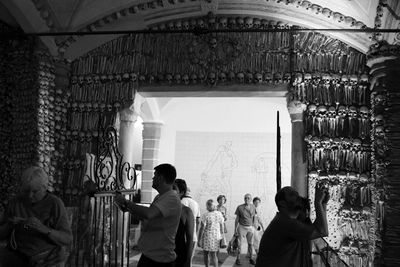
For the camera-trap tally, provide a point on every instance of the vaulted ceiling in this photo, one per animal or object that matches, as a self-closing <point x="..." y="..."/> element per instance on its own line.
<point x="41" y="16"/>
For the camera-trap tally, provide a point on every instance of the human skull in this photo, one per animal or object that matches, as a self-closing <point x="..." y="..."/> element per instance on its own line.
<point x="277" y="78"/>
<point x="256" y="23"/>
<point x="133" y="77"/>
<point x="169" y="78"/>
<point x="248" y="23"/>
<point x="312" y="109"/>
<point x="142" y="78"/>
<point x="171" y="26"/>
<point x="332" y="112"/>
<point x="353" y="80"/>
<point x="74" y="80"/>
<point x="96" y="79"/>
<point x="380" y="99"/>
<point x="339" y="17"/>
<point x="152" y="79"/>
<point x="193" y="23"/>
<point x="321" y="111"/>
<point x="212" y="78"/>
<point x="268" y="77"/>
<point x="88" y="80"/>
<point x="307" y="77"/>
<point x="264" y="24"/>
<point x="232" y="23"/>
<point x="316" y="78"/>
<point x="177" y="78"/>
<point x="200" y="23"/>
<point x="118" y="78"/>
<point x="298" y="78"/>
<point x="344" y="79"/>
<point x="364" y="79"/>
<point x="286" y="77"/>
<point x="185" y="25"/>
<point x="103" y="78"/>
<point x="222" y="77"/>
<point x="352" y="112"/>
<point x="231" y="76"/>
<point x="258" y="78"/>
<point x="213" y="43"/>
<point x="335" y="78"/>
<point x="356" y="144"/>
<point x="240" y="22"/>
<point x="249" y="78"/>
<point x="201" y="77"/>
<point x="223" y="22"/>
<point x="178" y="25"/>
<point x="379" y="132"/>
<point x="326" y="142"/>
<point x="185" y="79"/>
<point x="81" y="79"/>
<point x="240" y="77"/>
<point x="193" y="78"/>
<point x="342" y="111"/>
<point x="110" y="77"/>
<point x="364" y="112"/>
<point x="326" y="78"/>
<point x="379" y="120"/>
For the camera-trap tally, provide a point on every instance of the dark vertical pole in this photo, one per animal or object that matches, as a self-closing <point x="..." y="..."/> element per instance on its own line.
<point x="278" y="153"/>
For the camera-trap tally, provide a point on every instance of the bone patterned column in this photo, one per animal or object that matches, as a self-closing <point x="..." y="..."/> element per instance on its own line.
<point x="384" y="62"/>
<point x="151" y="142"/>
<point x="299" y="162"/>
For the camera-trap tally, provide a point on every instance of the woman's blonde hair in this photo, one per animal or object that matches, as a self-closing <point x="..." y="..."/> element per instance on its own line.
<point x="210" y="205"/>
<point x="35" y="175"/>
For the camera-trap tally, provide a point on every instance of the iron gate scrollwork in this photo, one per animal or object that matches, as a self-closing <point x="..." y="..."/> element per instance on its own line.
<point x="110" y="172"/>
<point x="101" y="229"/>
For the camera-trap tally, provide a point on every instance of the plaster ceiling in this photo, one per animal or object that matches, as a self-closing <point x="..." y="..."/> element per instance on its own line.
<point x="36" y="16"/>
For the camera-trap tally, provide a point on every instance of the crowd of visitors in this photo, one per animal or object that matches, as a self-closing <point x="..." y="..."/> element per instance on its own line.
<point x="37" y="230"/>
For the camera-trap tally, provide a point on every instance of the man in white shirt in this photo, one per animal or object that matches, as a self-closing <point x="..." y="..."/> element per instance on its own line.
<point x="159" y="221"/>
<point x="188" y="201"/>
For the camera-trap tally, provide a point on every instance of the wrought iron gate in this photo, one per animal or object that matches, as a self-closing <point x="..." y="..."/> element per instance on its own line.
<point x="101" y="229"/>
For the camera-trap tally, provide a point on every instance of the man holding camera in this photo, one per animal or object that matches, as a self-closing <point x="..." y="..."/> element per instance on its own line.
<point x="281" y="243"/>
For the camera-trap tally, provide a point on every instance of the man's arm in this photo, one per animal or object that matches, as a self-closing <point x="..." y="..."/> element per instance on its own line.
<point x="236" y="224"/>
<point x="140" y="212"/>
<point x="197" y="224"/>
<point x="320" y="223"/>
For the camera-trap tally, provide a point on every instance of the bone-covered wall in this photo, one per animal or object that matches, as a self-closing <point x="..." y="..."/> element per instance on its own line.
<point x="28" y="109"/>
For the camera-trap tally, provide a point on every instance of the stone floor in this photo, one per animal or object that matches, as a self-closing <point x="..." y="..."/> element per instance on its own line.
<point x="198" y="260"/>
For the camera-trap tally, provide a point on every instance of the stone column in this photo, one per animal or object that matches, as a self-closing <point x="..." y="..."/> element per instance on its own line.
<point x="128" y="118"/>
<point x="151" y="143"/>
<point x="299" y="179"/>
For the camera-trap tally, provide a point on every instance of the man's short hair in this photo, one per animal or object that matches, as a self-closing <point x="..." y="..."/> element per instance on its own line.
<point x="280" y="195"/>
<point x="167" y="171"/>
<point x="35" y="175"/>
<point x="181" y="184"/>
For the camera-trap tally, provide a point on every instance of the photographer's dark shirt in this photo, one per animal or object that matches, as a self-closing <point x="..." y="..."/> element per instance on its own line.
<point x="282" y="241"/>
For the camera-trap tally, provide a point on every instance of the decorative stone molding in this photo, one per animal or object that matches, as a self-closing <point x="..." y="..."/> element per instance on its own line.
<point x="206" y="7"/>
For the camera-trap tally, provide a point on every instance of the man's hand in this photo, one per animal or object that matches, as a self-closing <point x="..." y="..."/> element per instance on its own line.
<point x="119" y="199"/>
<point x="321" y="194"/>
<point x="33" y="223"/>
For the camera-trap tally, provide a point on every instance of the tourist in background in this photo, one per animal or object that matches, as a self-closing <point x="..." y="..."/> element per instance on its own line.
<point x="184" y="236"/>
<point x="258" y="224"/>
<point x="188" y="201"/>
<point x="244" y="226"/>
<point x="210" y="234"/>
